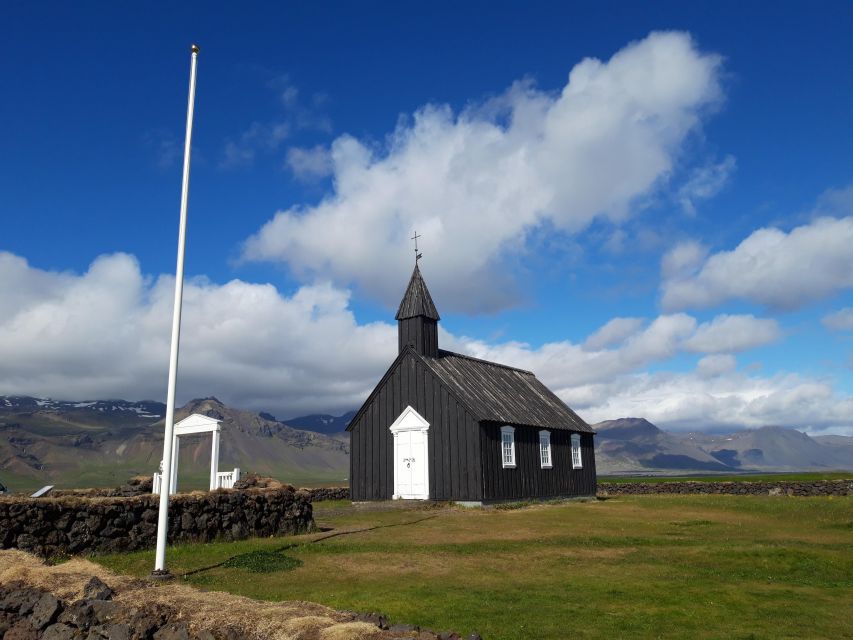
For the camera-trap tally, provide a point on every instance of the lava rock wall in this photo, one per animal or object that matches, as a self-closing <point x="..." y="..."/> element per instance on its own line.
<point x="79" y="525"/>
<point x="780" y="488"/>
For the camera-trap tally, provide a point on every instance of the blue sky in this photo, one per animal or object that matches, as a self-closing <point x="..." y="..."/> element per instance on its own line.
<point x="695" y="184"/>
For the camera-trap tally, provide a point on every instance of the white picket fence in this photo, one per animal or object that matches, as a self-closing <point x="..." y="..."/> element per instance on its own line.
<point x="224" y="480"/>
<point x="155" y="486"/>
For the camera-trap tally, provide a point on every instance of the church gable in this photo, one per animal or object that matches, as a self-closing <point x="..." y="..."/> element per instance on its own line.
<point x="453" y="437"/>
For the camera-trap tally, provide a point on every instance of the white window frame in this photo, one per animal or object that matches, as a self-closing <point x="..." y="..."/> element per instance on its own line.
<point x="508" y="431"/>
<point x="545" y="450"/>
<point x="577" y="452"/>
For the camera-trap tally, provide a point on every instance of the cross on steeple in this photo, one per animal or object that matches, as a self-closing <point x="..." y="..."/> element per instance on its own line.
<point x="415" y="237"/>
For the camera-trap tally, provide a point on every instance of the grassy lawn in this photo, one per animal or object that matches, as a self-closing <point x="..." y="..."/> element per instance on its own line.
<point x="632" y="567"/>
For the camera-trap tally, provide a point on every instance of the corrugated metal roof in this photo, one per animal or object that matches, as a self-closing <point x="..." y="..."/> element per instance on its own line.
<point x="503" y="394"/>
<point x="417" y="301"/>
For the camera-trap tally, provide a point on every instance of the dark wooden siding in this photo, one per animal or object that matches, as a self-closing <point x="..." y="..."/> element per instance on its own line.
<point x="454" y="440"/>
<point x="419" y="332"/>
<point x="528" y="479"/>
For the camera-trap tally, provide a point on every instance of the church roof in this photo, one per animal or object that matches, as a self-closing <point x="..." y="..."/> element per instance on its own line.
<point x="417" y="301"/>
<point x="491" y="392"/>
<point x="498" y="393"/>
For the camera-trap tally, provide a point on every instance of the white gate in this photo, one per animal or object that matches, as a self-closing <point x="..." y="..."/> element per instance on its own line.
<point x="196" y="423"/>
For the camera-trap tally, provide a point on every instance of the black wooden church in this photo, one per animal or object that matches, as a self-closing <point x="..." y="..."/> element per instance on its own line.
<point x="443" y="426"/>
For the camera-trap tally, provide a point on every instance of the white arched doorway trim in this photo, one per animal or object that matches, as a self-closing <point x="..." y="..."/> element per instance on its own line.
<point x="411" y="456"/>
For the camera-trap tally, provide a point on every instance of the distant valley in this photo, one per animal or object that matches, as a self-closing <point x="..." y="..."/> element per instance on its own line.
<point x="103" y="442"/>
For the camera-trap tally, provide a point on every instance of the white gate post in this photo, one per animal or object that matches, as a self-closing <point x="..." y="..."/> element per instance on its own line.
<point x="173" y="479"/>
<point x="214" y="460"/>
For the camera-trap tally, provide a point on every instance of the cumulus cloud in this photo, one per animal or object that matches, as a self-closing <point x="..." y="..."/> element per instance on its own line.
<point x="715" y="365"/>
<point x="309" y="164"/>
<point x="841" y="320"/>
<point x="105" y="333"/>
<point x="609" y="383"/>
<point x="770" y="267"/>
<point x="613" y="332"/>
<point x="624" y="345"/>
<point x="695" y="401"/>
<point x="475" y="184"/>
<point x="683" y="259"/>
<point x="733" y="333"/>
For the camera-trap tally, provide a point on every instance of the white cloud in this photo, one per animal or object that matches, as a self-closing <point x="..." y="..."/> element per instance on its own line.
<point x="475" y="184"/>
<point x="623" y="346"/>
<point x="683" y="259"/>
<point x="770" y="267"/>
<point x="733" y="333"/>
<point x="566" y="364"/>
<point x="309" y="164"/>
<point x="715" y="365"/>
<point x="105" y="333"/>
<point x="841" y="320"/>
<point x="704" y="183"/>
<point x="613" y="332"/>
<point x="611" y="383"/>
<point x="694" y="401"/>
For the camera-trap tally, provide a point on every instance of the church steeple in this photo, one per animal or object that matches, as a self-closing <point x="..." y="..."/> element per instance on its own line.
<point x="417" y="318"/>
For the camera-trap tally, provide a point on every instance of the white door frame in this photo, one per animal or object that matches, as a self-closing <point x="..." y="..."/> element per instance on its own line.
<point x="411" y="420"/>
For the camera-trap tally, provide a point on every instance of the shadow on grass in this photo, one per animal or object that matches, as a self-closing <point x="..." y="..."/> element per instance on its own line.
<point x="254" y="560"/>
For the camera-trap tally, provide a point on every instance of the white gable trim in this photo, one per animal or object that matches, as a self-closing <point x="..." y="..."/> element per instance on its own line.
<point x="409" y="420"/>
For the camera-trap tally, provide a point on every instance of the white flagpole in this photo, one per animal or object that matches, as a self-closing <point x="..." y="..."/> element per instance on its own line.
<point x="163" y="519"/>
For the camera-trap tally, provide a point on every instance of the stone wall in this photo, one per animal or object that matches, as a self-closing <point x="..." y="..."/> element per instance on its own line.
<point x="254" y="481"/>
<point x="80" y="525"/>
<point x="136" y="486"/>
<point x="780" y="488"/>
<point x="328" y="493"/>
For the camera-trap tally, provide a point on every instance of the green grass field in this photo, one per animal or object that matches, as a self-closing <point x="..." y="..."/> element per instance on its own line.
<point x="632" y="567"/>
<point x="804" y="476"/>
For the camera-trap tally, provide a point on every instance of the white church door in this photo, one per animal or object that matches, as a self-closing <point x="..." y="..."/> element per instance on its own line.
<point x="411" y="448"/>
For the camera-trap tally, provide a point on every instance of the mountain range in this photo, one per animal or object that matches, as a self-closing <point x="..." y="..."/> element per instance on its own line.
<point x="635" y="445"/>
<point x="103" y="442"/>
<point x="323" y="422"/>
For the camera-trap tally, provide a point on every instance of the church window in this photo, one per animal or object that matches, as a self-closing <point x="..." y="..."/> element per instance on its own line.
<point x="576" y="451"/>
<point x="508" y="447"/>
<point x="545" y="449"/>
